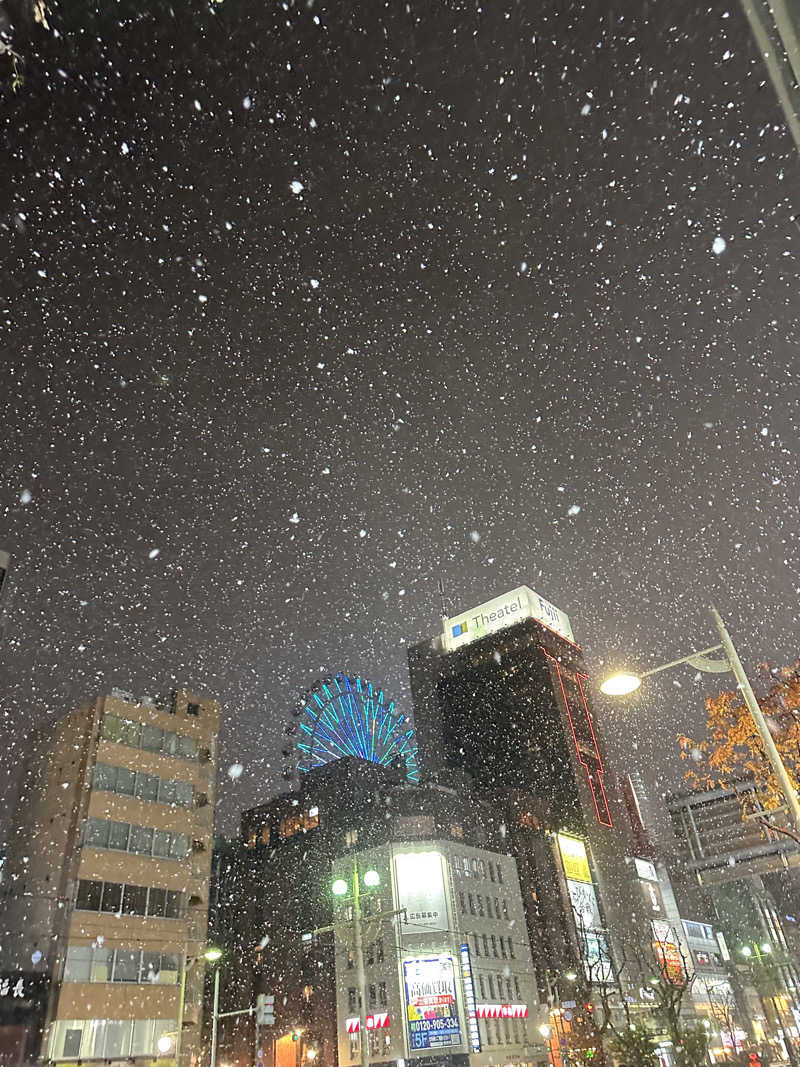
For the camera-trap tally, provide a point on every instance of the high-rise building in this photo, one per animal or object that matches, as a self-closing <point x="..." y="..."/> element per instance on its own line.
<point x="502" y="700"/>
<point x="107" y="878"/>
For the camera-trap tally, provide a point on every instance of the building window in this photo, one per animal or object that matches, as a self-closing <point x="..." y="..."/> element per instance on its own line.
<point x="489" y="908"/>
<point x="499" y="874"/>
<point x="505" y="908"/>
<point x="502" y="947"/>
<point x="511" y="949"/>
<point x="474" y="868"/>
<point x="516" y="988"/>
<point x="479" y="898"/>
<point x="491" y="985"/>
<point x="372" y="999"/>
<point x="494" y="946"/>
<point x="456" y="830"/>
<point x="379" y="950"/>
<point x="193" y="709"/>
<point x="477" y="945"/>
<point x="351" y="999"/>
<point x="482" y="868"/>
<point x="129" y="837"/>
<point x="73" y="1039"/>
<point x="350" y="838"/>
<point x="462" y="901"/>
<point x="146" y="737"/>
<point x="466" y="866"/>
<point x="351" y="959"/>
<point x="485" y="945"/>
<point x="382" y="994"/>
<point x="471" y="904"/>
<point x="89" y="964"/>
<point x="491" y="871"/>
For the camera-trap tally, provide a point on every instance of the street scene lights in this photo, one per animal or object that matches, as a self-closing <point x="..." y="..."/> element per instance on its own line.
<point x="623" y="684"/>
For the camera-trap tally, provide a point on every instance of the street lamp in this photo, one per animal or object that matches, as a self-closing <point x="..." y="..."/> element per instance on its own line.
<point x="340" y="888"/>
<point x="214" y="955"/>
<point x="623" y="684"/>
<point x="211" y="954"/>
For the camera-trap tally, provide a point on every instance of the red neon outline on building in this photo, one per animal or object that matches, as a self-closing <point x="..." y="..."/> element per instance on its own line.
<point x="593" y="774"/>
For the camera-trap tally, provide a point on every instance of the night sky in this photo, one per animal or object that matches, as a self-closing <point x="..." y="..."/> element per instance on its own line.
<point x="307" y="305"/>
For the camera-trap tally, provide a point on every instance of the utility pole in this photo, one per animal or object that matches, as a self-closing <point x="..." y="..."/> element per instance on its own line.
<point x="770" y="749"/>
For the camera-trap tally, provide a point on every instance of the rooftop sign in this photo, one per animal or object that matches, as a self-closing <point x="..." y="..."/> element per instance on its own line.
<point x="504" y="611"/>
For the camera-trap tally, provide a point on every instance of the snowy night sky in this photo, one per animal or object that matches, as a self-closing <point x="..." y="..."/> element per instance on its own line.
<point x="306" y="305"/>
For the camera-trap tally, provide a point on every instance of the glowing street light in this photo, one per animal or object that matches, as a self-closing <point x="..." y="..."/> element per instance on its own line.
<point x="164" y="1044"/>
<point x="340" y="888"/>
<point x="620" y="685"/>
<point x="623" y="684"/>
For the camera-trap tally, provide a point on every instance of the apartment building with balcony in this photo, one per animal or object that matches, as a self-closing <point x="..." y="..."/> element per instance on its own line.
<point x="106" y="894"/>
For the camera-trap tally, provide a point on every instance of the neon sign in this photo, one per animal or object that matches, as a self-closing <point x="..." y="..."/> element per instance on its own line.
<point x="583" y="736"/>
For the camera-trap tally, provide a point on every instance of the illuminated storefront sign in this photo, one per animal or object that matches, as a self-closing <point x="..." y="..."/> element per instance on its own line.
<point x="420" y="889"/>
<point x="379" y="1021"/>
<point x="665" y="945"/>
<point x="583" y="735"/>
<point x="432" y="1011"/>
<point x="574" y="859"/>
<point x="502" y="1011"/>
<point x="469" y="999"/>
<point x="503" y="611"/>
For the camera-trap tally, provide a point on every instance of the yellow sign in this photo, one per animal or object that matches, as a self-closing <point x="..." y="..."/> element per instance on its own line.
<point x="573" y="856"/>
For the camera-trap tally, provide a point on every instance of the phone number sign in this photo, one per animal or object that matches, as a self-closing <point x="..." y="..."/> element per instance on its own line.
<point x="432" y="1009"/>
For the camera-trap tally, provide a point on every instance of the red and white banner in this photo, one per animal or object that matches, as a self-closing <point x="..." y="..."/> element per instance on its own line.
<point x="374" y="1022"/>
<point x="501" y="1011"/>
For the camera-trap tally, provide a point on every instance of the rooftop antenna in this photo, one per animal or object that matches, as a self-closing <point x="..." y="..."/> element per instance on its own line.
<point x="445" y="611"/>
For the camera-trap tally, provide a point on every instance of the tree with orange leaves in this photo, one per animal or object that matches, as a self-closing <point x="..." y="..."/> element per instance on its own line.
<point x="733" y="751"/>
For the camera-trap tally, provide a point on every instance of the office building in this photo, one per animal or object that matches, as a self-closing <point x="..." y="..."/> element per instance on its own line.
<point x="502" y="701"/>
<point x="107" y="878"/>
<point x="450" y="979"/>
<point x="279" y="892"/>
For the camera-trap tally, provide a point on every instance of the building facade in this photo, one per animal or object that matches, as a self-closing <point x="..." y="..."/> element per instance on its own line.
<point x="448" y="970"/>
<point x="106" y="894"/>
<point x="278" y="891"/>
<point x="502" y="703"/>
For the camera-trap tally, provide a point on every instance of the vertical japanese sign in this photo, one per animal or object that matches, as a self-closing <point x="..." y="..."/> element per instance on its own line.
<point x="469" y="999"/>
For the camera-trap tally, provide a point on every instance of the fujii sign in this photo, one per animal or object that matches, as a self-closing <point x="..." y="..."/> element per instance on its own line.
<point x="503" y="611"/>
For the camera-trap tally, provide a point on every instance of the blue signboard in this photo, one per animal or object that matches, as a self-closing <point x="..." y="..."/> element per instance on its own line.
<point x="431" y="1005"/>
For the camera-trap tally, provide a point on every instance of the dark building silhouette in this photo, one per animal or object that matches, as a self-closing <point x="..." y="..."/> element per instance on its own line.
<point x="502" y="701"/>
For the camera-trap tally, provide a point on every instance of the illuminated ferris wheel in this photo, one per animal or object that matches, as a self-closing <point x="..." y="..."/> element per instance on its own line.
<point x="344" y="716"/>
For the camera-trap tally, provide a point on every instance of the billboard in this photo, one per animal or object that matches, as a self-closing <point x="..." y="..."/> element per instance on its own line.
<point x="420" y="890"/>
<point x="668" y="954"/>
<point x="574" y="859"/>
<point x="431" y="1006"/>
<point x="584" y="904"/>
<point x="503" y="611"/>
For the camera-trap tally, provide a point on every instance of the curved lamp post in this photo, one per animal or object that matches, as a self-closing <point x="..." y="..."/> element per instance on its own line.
<point x="623" y="684"/>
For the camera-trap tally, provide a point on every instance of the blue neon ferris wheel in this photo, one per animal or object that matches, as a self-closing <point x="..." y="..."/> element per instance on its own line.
<point x="345" y="716"/>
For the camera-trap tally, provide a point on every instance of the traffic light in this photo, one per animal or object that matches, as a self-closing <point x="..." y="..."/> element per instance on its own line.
<point x="295" y="1035"/>
<point x="265" y="1010"/>
<point x="753" y="1060"/>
